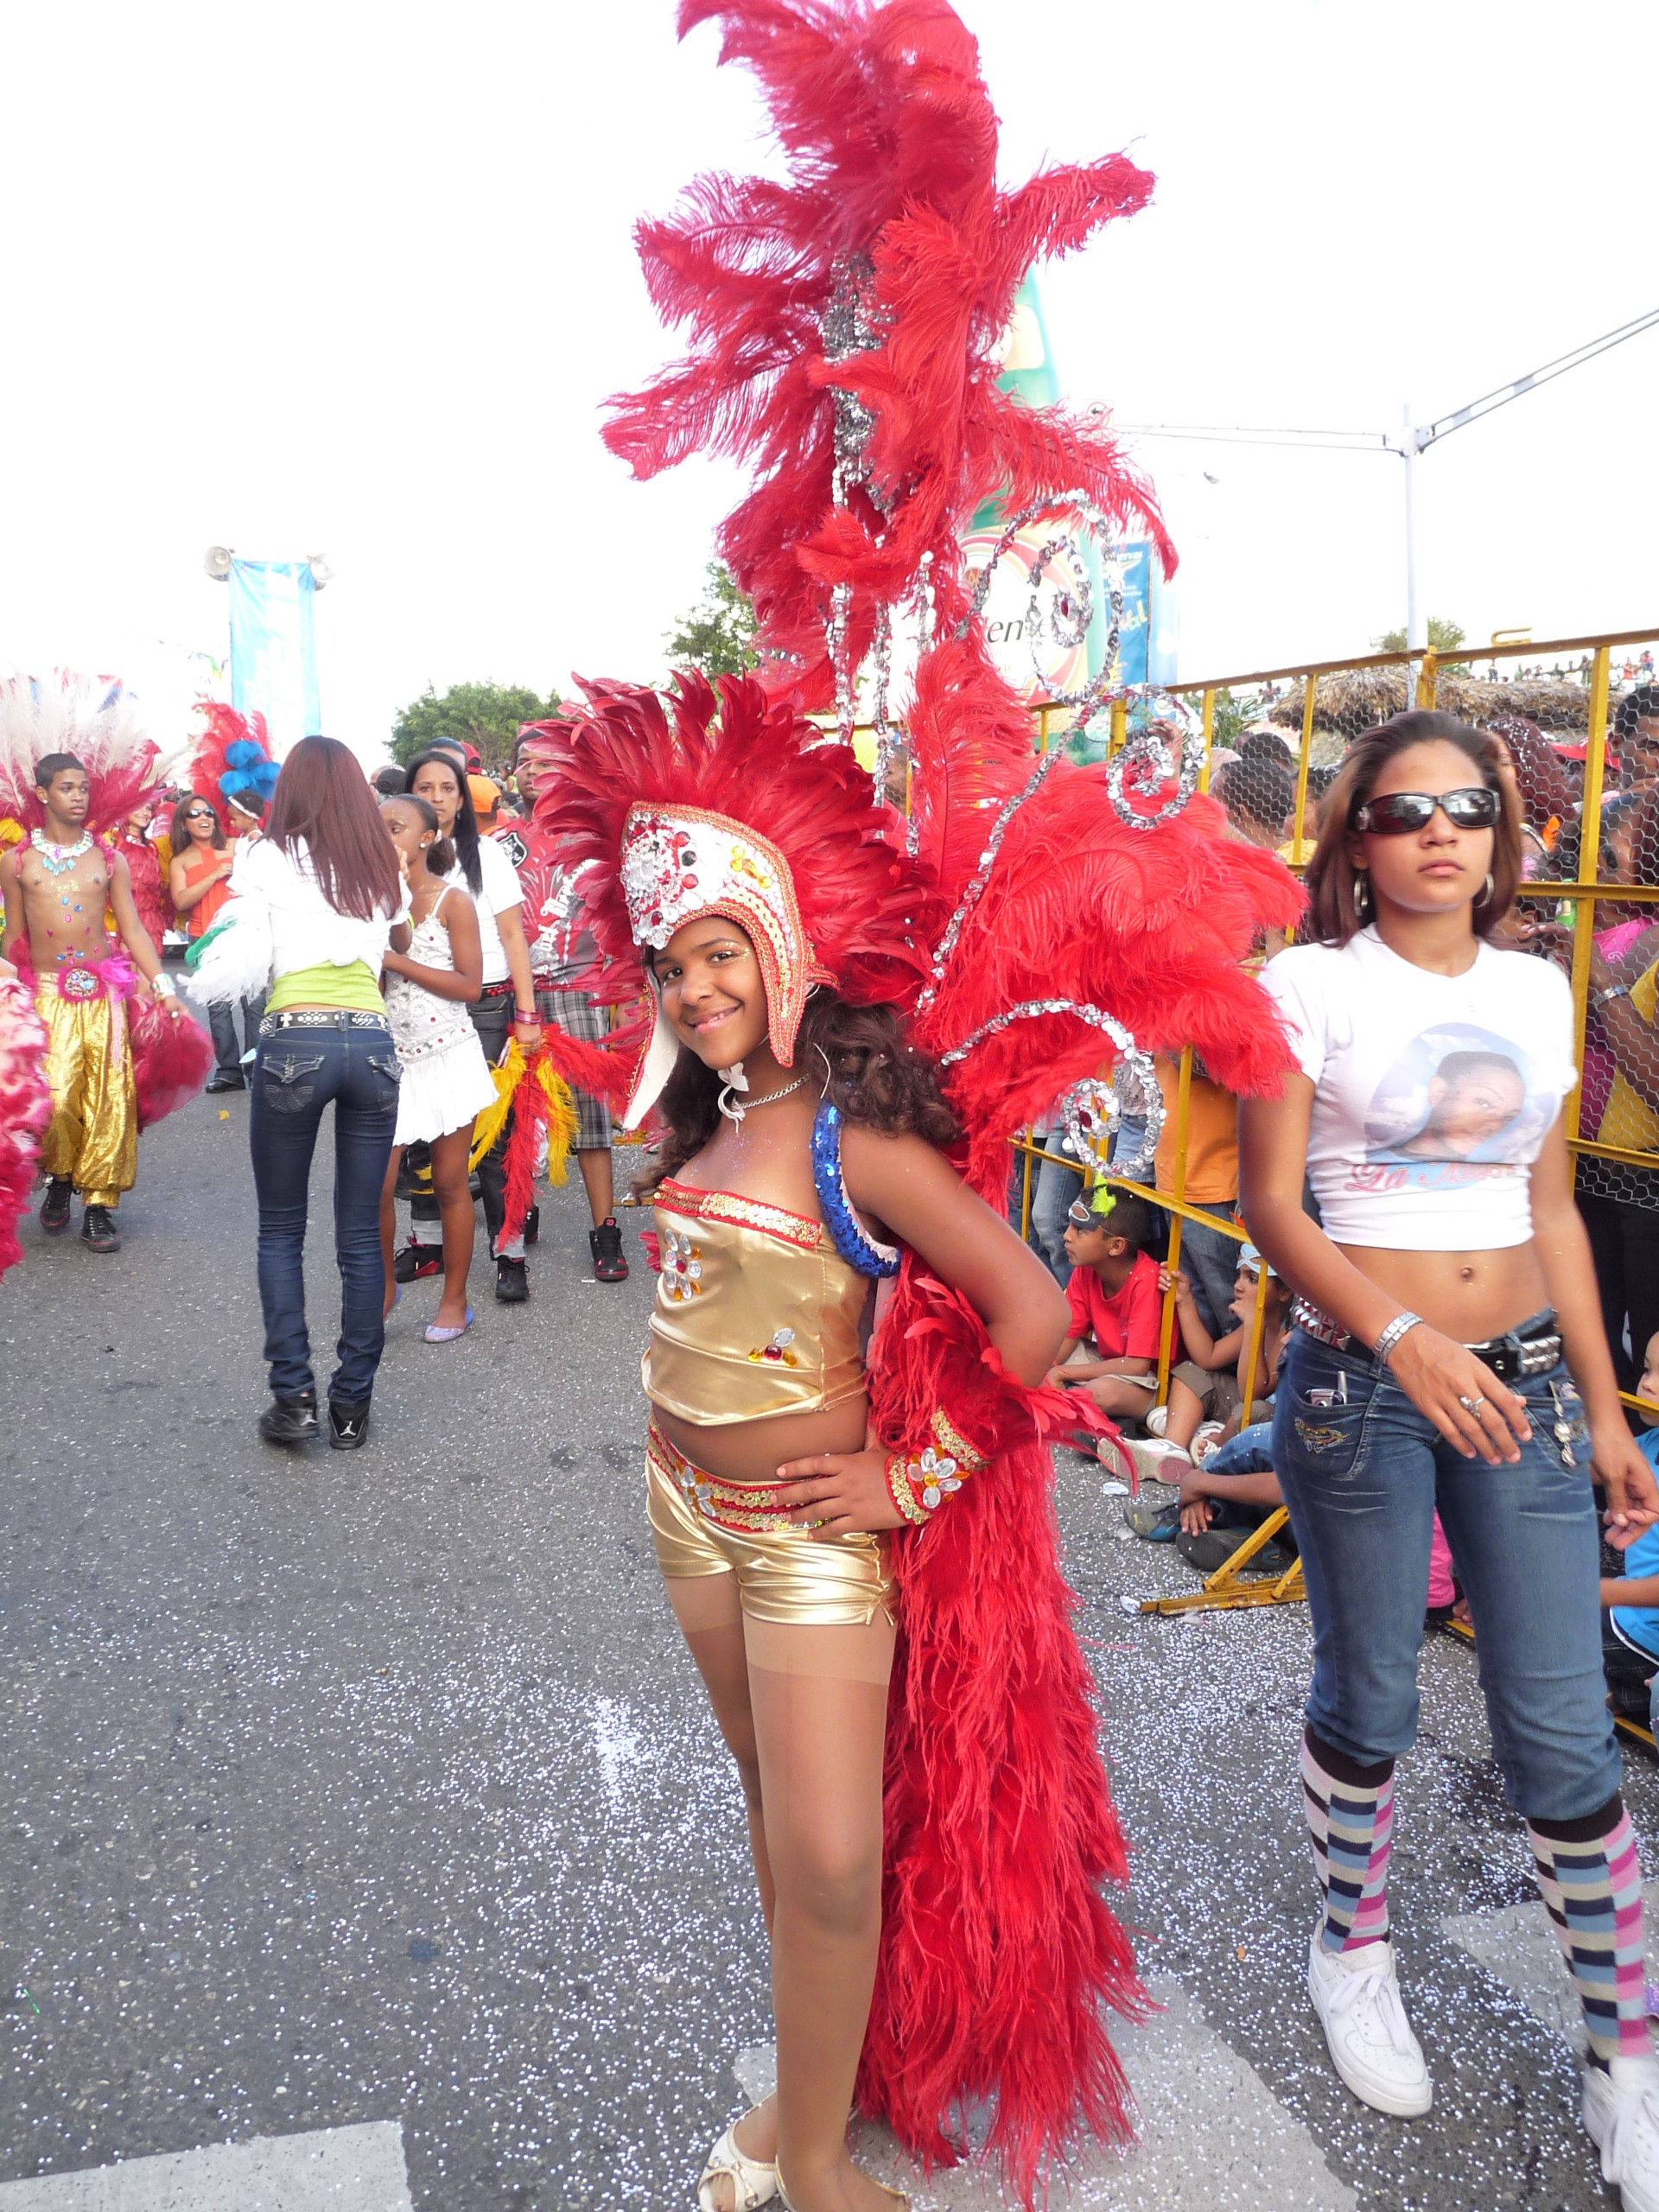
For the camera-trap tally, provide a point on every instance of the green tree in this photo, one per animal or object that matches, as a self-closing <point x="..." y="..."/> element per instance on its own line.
<point x="484" y="715"/>
<point x="718" y="636"/>
<point x="1444" y="637"/>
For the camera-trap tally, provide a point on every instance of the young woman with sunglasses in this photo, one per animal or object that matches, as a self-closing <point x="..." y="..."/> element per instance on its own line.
<point x="199" y="884"/>
<point x="1447" y="1309"/>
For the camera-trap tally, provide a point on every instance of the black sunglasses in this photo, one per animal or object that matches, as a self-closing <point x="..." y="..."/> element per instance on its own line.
<point x="199" y="814"/>
<point x="1398" y="813"/>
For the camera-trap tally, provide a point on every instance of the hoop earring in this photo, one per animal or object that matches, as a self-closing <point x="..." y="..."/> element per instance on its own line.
<point x="1487" y="895"/>
<point x="829" y="1072"/>
<point x="1360" y="893"/>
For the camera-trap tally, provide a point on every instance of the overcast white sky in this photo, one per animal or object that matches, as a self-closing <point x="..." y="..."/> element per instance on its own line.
<point x="328" y="276"/>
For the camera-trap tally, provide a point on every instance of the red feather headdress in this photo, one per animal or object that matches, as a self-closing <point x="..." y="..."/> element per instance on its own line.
<point x="727" y="802"/>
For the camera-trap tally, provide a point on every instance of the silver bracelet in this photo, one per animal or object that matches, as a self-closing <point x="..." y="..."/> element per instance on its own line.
<point x="1391" y="1336"/>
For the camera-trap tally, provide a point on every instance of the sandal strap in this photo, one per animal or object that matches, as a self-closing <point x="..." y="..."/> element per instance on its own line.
<point x="754" y="2182"/>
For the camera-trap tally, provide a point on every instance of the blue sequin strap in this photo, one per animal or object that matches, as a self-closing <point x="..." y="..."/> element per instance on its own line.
<point x="858" y="1250"/>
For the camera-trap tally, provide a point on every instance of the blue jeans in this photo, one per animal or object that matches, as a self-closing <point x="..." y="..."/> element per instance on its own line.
<point x="298" y="1072"/>
<point x="1058" y="1187"/>
<point x="1362" y="1472"/>
<point x="1210" y="1263"/>
<point x="1250" y="1452"/>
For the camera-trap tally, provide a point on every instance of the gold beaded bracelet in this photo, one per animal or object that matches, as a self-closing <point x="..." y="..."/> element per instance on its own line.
<point x="952" y="1441"/>
<point x="904" y="1494"/>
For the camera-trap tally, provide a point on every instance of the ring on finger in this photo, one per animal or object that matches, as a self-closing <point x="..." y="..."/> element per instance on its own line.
<point x="1472" y="1406"/>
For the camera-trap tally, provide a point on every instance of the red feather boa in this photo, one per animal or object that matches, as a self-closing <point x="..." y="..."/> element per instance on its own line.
<point x="25" y="1109"/>
<point x="998" y="1953"/>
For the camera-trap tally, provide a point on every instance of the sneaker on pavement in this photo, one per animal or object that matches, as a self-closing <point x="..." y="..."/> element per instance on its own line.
<point x="54" y="1206"/>
<point x="98" y="1229"/>
<point x="414" y="1261"/>
<point x="291" y="1421"/>
<point x="1621" y="2116"/>
<point x="606" y="1244"/>
<point x="1155" y="1418"/>
<point x="1157" y="1461"/>
<point x="1154" y="1517"/>
<point x="1372" y="2047"/>
<point x="512" y="1281"/>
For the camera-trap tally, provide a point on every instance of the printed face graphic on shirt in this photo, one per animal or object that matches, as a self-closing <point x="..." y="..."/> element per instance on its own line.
<point x="1458" y="1099"/>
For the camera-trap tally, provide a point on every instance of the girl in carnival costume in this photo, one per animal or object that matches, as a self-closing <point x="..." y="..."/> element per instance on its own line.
<point x="852" y="1013"/>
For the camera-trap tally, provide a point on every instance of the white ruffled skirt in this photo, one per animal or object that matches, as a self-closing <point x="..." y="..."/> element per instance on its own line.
<point x="441" y="1091"/>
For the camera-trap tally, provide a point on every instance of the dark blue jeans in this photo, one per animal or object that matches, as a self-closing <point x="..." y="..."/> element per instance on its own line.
<point x="297" y="1074"/>
<point x="1362" y="1472"/>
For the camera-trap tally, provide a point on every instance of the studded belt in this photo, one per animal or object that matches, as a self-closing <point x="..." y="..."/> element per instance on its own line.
<point x="321" y="1017"/>
<point x="1533" y="1349"/>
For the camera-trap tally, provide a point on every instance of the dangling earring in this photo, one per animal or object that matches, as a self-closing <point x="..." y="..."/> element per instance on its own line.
<point x="734" y="1080"/>
<point x="829" y="1072"/>
<point x="1359" y="894"/>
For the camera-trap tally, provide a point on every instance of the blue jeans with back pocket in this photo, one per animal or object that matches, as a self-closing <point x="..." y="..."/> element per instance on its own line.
<point x="1362" y="1473"/>
<point x="298" y="1072"/>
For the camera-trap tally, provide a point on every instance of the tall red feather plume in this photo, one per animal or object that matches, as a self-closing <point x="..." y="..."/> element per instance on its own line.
<point x="892" y="141"/>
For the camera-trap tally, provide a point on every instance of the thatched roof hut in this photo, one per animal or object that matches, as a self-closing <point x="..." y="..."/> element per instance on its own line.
<point x="1349" y="699"/>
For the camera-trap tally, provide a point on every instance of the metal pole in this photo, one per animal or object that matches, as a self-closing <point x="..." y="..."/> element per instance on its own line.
<point x="1416" y="635"/>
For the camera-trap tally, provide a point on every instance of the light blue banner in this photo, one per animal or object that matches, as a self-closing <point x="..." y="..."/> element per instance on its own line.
<point x="273" y="648"/>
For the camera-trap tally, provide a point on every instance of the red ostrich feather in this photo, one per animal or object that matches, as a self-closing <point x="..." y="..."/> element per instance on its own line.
<point x="25" y="1109"/>
<point x="892" y="141"/>
<point x="225" y="727"/>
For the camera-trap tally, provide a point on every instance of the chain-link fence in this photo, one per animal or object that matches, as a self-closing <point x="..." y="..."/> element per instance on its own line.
<point x="1580" y="718"/>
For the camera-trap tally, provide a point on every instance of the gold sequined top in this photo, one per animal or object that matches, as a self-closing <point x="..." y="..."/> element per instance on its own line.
<point x="757" y="1313"/>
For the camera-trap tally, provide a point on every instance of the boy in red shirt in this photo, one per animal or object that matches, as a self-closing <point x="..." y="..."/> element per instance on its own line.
<point x="1115" y="1302"/>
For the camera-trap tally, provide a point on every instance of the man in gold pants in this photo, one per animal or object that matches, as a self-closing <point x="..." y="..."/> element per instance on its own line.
<point x="57" y="886"/>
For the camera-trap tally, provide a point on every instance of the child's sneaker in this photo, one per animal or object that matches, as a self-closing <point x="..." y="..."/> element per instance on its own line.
<point x="1621" y="2116"/>
<point x="1157" y="1461"/>
<point x="1372" y="2047"/>
<point x="1205" y="1437"/>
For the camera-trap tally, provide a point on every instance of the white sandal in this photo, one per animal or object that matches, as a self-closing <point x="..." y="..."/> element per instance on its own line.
<point x="753" y="2181"/>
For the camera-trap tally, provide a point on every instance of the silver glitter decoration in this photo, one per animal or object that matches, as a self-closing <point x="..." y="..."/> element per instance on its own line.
<point x="1094" y="1111"/>
<point x="1140" y="1063"/>
<point x="1148" y="763"/>
<point x="981" y="876"/>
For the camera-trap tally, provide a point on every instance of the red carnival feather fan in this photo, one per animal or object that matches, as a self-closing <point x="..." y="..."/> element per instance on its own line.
<point x="233" y="753"/>
<point x="95" y="718"/>
<point x="885" y="271"/>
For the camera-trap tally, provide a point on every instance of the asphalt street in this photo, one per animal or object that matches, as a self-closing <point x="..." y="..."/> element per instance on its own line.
<point x="367" y="1842"/>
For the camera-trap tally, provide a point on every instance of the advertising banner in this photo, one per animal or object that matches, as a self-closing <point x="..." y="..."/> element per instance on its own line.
<point x="1058" y="651"/>
<point x="273" y="649"/>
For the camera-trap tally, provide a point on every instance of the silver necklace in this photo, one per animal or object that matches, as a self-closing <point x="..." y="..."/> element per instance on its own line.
<point x="739" y="1107"/>
<point x="58" y="858"/>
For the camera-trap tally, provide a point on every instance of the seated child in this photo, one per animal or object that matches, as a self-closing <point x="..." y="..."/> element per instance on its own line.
<point x="1629" y="1617"/>
<point x="1111" y="1345"/>
<point x="1210" y="1383"/>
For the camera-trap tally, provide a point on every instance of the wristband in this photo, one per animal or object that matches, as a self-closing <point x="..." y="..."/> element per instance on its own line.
<point x="921" y="1481"/>
<point x="904" y="1496"/>
<point x="1391" y="1336"/>
<point x="1613" y="991"/>
<point x="161" y="987"/>
<point x="518" y="1013"/>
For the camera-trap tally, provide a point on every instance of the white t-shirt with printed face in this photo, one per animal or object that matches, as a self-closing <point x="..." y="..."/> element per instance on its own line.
<point x="1433" y="1093"/>
<point x="500" y="889"/>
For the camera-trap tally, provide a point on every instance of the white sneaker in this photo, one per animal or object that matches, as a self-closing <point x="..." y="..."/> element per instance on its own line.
<point x="1156" y="1416"/>
<point x="1621" y="2116"/>
<point x="1158" y="1461"/>
<point x="1372" y="2048"/>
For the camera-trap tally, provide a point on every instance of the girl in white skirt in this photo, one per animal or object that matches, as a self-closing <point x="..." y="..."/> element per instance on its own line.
<point x="430" y="978"/>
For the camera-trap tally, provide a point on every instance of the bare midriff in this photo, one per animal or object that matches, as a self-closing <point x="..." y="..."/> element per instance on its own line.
<point x="753" y="1451"/>
<point x="1468" y="1296"/>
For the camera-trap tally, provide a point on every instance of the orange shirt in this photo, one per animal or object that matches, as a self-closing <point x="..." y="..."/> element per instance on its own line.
<point x="200" y="916"/>
<point x="1211" y="1138"/>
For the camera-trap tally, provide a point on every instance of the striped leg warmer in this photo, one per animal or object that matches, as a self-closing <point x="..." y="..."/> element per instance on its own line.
<point x="1350" y="1827"/>
<point x="1592" y="1887"/>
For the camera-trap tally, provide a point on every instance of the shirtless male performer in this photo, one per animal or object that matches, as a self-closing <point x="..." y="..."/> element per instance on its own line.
<point x="57" y="885"/>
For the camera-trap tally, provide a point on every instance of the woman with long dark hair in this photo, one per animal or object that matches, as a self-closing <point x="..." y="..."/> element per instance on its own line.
<point x="328" y="877"/>
<point x="506" y="1005"/>
<point x="1448" y="1355"/>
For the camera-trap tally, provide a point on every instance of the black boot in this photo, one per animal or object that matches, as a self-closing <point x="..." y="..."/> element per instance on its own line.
<point x="55" y="1207"/>
<point x="291" y="1421"/>
<point x="606" y="1244"/>
<point x="512" y="1281"/>
<point x="348" y="1424"/>
<point x="98" y="1229"/>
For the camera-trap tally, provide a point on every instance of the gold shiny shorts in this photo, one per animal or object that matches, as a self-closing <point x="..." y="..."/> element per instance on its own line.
<point x="784" y="1575"/>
